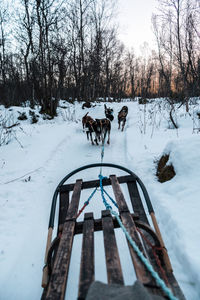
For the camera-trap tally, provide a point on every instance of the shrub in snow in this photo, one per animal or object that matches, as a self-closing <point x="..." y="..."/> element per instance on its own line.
<point x="143" y="101"/>
<point x="86" y="105"/>
<point x="173" y="124"/>
<point x="47" y="117"/>
<point x="68" y="114"/>
<point x="22" y="116"/>
<point x="165" y="171"/>
<point x="7" y="127"/>
<point x="198" y="114"/>
<point x="34" y="117"/>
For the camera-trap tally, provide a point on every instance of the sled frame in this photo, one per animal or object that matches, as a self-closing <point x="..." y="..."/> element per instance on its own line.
<point x="59" y="253"/>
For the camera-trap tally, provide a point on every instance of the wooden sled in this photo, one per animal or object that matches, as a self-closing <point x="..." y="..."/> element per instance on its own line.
<point x="149" y="241"/>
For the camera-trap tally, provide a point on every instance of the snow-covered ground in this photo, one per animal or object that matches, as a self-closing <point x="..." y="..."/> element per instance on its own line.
<point x="40" y="155"/>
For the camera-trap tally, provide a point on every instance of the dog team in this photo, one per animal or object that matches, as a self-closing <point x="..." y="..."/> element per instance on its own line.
<point x="102" y="127"/>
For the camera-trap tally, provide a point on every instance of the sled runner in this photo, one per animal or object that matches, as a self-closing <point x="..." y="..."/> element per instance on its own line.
<point x="148" y="240"/>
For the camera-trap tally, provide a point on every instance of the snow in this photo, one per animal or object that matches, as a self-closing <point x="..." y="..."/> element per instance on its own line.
<point x="39" y="155"/>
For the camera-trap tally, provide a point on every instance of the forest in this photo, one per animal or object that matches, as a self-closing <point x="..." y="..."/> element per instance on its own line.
<point x="59" y="49"/>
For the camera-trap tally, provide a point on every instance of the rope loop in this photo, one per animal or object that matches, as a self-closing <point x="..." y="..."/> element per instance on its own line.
<point x="108" y="207"/>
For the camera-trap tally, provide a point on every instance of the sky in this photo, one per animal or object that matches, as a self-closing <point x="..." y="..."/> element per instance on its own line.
<point x="135" y="27"/>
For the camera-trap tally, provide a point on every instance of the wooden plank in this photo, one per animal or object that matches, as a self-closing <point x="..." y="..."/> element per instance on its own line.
<point x="98" y="224"/>
<point x="149" y="235"/>
<point x="175" y="287"/>
<point x="58" y="280"/>
<point x="87" y="256"/>
<point x="45" y="276"/>
<point x="136" y="201"/>
<point x="63" y="207"/>
<point x="73" y="206"/>
<point x="139" y="209"/>
<point x="113" y="265"/>
<point x="140" y="270"/>
<point x="122" y="206"/>
<point x="165" y="254"/>
<point x="95" y="183"/>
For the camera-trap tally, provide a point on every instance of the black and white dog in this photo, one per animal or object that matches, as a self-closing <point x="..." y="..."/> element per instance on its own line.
<point x="109" y="113"/>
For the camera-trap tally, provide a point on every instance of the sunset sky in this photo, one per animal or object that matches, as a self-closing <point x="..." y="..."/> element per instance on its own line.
<point x="135" y="22"/>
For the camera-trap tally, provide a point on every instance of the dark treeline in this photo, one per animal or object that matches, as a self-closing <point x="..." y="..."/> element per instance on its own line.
<point x="54" y="49"/>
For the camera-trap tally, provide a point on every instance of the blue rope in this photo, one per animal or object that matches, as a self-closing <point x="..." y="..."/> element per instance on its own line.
<point x="86" y="202"/>
<point x="113" y="201"/>
<point x="102" y="193"/>
<point x="149" y="267"/>
<point x="90" y="197"/>
<point x="102" y="152"/>
<point x="102" y="156"/>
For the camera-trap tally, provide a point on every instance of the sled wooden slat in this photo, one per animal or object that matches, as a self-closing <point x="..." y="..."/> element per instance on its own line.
<point x="136" y="201"/>
<point x="87" y="256"/>
<point x="139" y="209"/>
<point x="113" y="265"/>
<point x="175" y="287"/>
<point x="122" y="206"/>
<point x="140" y="269"/>
<point x="64" y="204"/>
<point x="129" y="224"/>
<point x="58" y="280"/>
<point x="98" y="224"/>
<point x="57" y="284"/>
<point x="95" y="183"/>
<point x="73" y="206"/>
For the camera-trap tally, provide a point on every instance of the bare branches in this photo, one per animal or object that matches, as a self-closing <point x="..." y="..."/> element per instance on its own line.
<point x="175" y="30"/>
<point x="11" y="126"/>
<point x="7" y="131"/>
<point x="70" y="49"/>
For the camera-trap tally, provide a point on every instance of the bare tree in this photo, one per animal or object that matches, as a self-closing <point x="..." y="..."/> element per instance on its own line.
<point x="4" y="19"/>
<point x="175" y="29"/>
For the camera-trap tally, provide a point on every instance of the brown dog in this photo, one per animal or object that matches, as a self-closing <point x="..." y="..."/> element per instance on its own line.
<point x="100" y="127"/>
<point x="85" y="120"/>
<point x="122" y="116"/>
